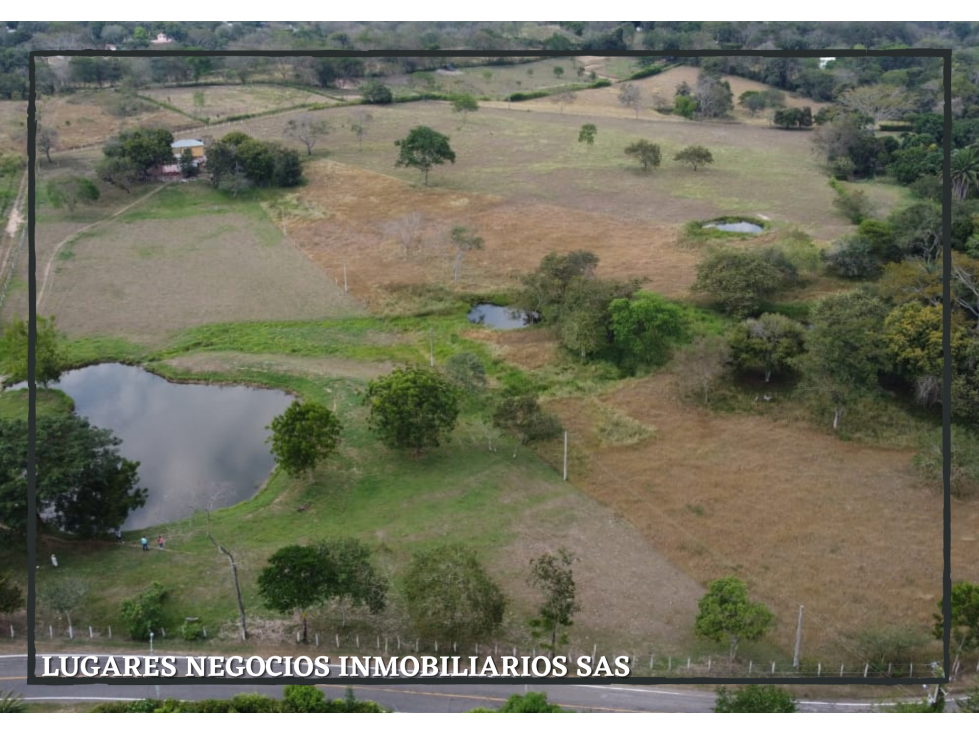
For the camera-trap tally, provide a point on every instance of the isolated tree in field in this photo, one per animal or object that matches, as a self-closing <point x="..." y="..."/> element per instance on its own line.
<point x="464" y="239"/>
<point x="768" y="344"/>
<point x="120" y="172"/>
<point x="199" y="102"/>
<point x="360" y="126"/>
<point x="424" y="148"/>
<point x="565" y="98"/>
<point x="695" y="155"/>
<point x="62" y="594"/>
<point x="587" y="134"/>
<point x="755" y="699"/>
<point x="646" y="152"/>
<point x="737" y="281"/>
<point x="726" y="613"/>
<point x="46" y="140"/>
<point x="450" y="596"/>
<point x="631" y="96"/>
<point x="558" y="72"/>
<point x="308" y="131"/>
<point x="412" y="408"/>
<point x="552" y="575"/>
<point x="965" y="617"/>
<point x="464" y="104"/>
<point x="303" y="436"/>
<point x="753" y="101"/>
<point x="48" y="355"/>
<point x="11" y="595"/>
<point x="293" y="581"/>
<point x="143" y="614"/>
<point x="406" y="229"/>
<point x="70" y="191"/>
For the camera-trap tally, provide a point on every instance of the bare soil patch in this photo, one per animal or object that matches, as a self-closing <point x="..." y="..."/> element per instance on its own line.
<point x="517" y="236"/>
<point x="803" y="517"/>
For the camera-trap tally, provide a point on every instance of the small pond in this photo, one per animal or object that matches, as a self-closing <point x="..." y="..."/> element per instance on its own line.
<point x="498" y="317"/>
<point x="197" y="445"/>
<point x="742" y="227"/>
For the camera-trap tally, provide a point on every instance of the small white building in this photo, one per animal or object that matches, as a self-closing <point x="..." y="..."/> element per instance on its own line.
<point x="823" y="60"/>
<point x="161" y="38"/>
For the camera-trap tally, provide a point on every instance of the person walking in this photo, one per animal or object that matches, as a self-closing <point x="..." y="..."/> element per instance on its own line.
<point x="119" y="535"/>
<point x="146" y="543"/>
<point x="160" y="543"/>
<point x="54" y="560"/>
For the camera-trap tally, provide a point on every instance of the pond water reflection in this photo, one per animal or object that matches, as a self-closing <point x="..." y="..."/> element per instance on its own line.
<point x="198" y="445"/>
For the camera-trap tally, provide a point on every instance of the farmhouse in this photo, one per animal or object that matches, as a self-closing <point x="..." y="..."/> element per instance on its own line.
<point x="170" y="170"/>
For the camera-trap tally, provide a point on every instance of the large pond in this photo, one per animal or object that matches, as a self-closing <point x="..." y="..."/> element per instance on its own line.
<point x="742" y="227"/>
<point x="199" y="446"/>
<point x="498" y="317"/>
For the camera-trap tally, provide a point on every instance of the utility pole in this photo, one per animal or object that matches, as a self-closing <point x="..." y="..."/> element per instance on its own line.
<point x="798" y="640"/>
<point x="565" y="456"/>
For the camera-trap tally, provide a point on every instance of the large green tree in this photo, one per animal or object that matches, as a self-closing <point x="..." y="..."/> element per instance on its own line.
<point x="845" y="348"/>
<point x="83" y="485"/>
<point x="298" y="578"/>
<point x="48" y="354"/>
<point x="769" y="343"/>
<point x="423" y="148"/>
<point x="303" y="436"/>
<point x="695" y="155"/>
<point x="726" y="613"/>
<point x="737" y="280"/>
<point x="646" y="152"/>
<point x="412" y="408"/>
<point x="68" y="192"/>
<point x="450" y="596"/>
<point x="644" y="327"/>
<point x="294" y="581"/>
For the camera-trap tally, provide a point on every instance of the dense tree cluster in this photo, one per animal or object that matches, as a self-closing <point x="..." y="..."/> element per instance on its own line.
<point x="238" y="162"/>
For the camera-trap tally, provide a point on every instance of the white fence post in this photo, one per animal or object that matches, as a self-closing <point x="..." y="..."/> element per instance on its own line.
<point x="90" y="635"/>
<point x="841" y="669"/>
<point x="773" y="667"/>
<point x="751" y="664"/>
<point x="708" y="664"/>
<point x="337" y="638"/>
<point x="819" y="669"/>
<point x="865" y="669"/>
<point x="316" y="639"/>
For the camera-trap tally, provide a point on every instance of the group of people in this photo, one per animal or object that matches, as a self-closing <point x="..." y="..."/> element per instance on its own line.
<point x="160" y="543"/>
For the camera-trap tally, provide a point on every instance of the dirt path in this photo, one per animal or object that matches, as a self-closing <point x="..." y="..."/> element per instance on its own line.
<point x="9" y="240"/>
<point x="46" y="278"/>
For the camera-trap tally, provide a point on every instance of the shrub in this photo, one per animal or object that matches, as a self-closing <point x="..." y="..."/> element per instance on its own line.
<point x="144" y="613"/>
<point x="737" y="281"/>
<point x="523" y="416"/>
<point x="755" y="700"/>
<point x="192" y="630"/>
<point x="466" y="370"/>
<point x="964" y="480"/>
<point x="303" y="699"/>
<point x="854" y="205"/>
<point x="853" y="258"/>
<point x="374" y="92"/>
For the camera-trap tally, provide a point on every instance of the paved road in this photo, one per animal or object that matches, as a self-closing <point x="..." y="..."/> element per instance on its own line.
<point x="404" y="697"/>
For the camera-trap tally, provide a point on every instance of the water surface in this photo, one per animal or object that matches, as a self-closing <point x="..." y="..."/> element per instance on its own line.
<point x="199" y="446"/>
<point x="498" y="317"/>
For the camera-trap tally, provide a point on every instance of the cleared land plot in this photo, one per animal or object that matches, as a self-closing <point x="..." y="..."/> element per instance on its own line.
<point x="360" y="233"/>
<point x="186" y="257"/>
<point x="89" y="117"/>
<point x="534" y="157"/>
<point x="846" y="529"/>
<point x="224" y="101"/>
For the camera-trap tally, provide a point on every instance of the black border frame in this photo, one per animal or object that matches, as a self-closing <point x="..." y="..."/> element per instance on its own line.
<point x="944" y="54"/>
